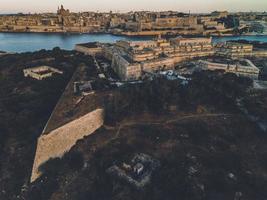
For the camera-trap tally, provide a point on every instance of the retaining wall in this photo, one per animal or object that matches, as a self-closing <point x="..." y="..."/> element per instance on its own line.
<point x="59" y="141"/>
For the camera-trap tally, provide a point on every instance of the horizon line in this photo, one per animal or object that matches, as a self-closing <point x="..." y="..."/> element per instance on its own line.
<point x="129" y="11"/>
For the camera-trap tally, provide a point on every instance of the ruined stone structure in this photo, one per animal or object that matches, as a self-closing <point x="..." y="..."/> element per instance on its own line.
<point x="59" y="141"/>
<point x="137" y="172"/>
<point x="41" y="72"/>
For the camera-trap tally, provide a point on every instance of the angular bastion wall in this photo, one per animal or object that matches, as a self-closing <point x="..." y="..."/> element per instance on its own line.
<point x="59" y="141"/>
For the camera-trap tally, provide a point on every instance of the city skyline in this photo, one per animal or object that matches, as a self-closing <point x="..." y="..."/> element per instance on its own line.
<point x="194" y="6"/>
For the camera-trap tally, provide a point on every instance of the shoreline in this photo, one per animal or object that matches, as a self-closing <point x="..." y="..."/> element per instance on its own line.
<point x="21" y="42"/>
<point x="133" y="34"/>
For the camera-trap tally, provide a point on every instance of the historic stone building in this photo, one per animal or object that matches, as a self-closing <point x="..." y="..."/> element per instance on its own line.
<point x="130" y="59"/>
<point x="238" y="50"/>
<point x="234" y="50"/>
<point x="241" y="67"/>
<point x="92" y="49"/>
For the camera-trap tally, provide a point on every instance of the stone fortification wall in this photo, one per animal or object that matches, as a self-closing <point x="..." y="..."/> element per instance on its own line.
<point x="59" y="141"/>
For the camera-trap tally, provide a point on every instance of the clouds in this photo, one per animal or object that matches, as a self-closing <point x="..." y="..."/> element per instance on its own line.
<point x="8" y="6"/>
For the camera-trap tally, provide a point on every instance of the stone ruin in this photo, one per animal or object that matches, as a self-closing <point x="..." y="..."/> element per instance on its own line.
<point x="137" y="172"/>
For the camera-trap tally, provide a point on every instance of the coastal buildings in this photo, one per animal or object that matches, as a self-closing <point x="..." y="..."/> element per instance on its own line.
<point x="137" y="23"/>
<point x="62" y="21"/>
<point x="131" y="59"/>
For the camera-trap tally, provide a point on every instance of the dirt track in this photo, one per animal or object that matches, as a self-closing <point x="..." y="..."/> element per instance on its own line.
<point x="154" y="121"/>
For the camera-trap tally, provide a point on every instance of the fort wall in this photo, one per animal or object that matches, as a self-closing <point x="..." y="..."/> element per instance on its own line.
<point x="59" y="141"/>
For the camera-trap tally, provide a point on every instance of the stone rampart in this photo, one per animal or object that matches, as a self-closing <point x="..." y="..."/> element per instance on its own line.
<point x="59" y="141"/>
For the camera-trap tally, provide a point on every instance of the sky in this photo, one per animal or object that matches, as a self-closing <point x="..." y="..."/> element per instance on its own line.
<point x="195" y="6"/>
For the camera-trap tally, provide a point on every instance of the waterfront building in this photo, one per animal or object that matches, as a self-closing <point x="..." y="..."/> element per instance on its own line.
<point x="131" y="59"/>
<point x="132" y="23"/>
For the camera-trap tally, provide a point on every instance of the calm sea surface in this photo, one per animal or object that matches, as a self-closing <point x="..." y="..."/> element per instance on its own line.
<point x="21" y="42"/>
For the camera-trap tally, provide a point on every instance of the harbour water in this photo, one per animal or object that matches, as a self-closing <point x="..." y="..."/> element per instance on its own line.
<point x="23" y="42"/>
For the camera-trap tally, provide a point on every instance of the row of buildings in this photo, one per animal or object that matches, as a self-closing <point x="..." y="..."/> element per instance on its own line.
<point x="131" y="23"/>
<point x="132" y="59"/>
<point x="176" y="23"/>
<point x="236" y="50"/>
<point x="62" y="21"/>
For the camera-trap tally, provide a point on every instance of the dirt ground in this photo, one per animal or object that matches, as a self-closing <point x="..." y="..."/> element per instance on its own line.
<point x="203" y="156"/>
